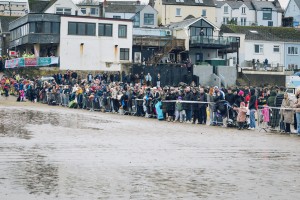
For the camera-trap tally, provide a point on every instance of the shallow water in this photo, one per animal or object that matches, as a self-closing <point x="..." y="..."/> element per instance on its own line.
<point x="50" y="152"/>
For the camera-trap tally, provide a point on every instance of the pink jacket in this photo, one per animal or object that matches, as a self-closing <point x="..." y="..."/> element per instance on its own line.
<point x="266" y="113"/>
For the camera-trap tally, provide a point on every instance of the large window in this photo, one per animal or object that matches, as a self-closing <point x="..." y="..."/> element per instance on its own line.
<point x="94" y="11"/>
<point x="267" y="14"/>
<point x="243" y="21"/>
<point x="122" y="32"/>
<point x="83" y="10"/>
<point x="225" y="9"/>
<point x="80" y="28"/>
<point x="258" y="48"/>
<point x="44" y="27"/>
<point x="292" y="50"/>
<point x="124" y="54"/>
<point x="225" y="20"/>
<point x="148" y="19"/>
<point x="105" y="30"/>
<point x="136" y="20"/>
<point x="64" y="11"/>
<point x="178" y="11"/>
<point x="243" y="10"/>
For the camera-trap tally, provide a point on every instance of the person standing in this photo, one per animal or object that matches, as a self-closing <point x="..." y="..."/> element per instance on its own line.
<point x="252" y="108"/>
<point x="158" y="80"/>
<point x="297" y="106"/>
<point x="148" y="79"/>
<point x="286" y="113"/>
<point x="142" y="78"/>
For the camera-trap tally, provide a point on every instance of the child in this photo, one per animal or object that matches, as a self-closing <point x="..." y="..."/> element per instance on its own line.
<point x="241" y="117"/>
<point x="179" y="110"/>
<point x="22" y="95"/>
<point x="265" y="115"/>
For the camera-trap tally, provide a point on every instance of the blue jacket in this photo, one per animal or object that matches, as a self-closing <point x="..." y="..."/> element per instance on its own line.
<point x="159" y="111"/>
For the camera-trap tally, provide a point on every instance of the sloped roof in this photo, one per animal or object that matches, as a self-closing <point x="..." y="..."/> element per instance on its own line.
<point x="188" y="22"/>
<point x="50" y="4"/>
<point x="234" y="4"/>
<point x="209" y="3"/>
<point x="259" y="5"/>
<point x="189" y="17"/>
<point x="284" y="34"/>
<point x="122" y="2"/>
<point x="38" y="6"/>
<point x="297" y="3"/>
<point x="4" y="23"/>
<point x="115" y="8"/>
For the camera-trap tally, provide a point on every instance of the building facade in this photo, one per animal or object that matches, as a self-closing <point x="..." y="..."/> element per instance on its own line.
<point x="95" y="43"/>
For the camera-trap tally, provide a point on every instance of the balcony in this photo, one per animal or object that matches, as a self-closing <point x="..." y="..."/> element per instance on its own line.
<point x="215" y="42"/>
<point x="156" y="41"/>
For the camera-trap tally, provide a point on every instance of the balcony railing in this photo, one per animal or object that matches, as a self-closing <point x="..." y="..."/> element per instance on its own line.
<point x="213" y="40"/>
<point x="239" y="23"/>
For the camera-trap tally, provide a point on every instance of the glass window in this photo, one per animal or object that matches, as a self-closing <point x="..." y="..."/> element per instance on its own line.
<point x="225" y="20"/>
<point x="148" y="19"/>
<point x="105" y="30"/>
<point x="136" y="20"/>
<point x="124" y="54"/>
<point x="204" y="13"/>
<point x="292" y="50"/>
<point x="91" y="29"/>
<point x="64" y="11"/>
<point x="38" y="27"/>
<point x="276" y="49"/>
<point x="243" y="21"/>
<point x="226" y="9"/>
<point x="122" y="31"/>
<point x="81" y="29"/>
<point x="59" y="11"/>
<point x="94" y="11"/>
<point x="47" y="27"/>
<point x="243" y="10"/>
<point x="67" y="11"/>
<point x="72" y="28"/>
<point x="258" y="48"/>
<point x="267" y="14"/>
<point x="83" y="10"/>
<point x="116" y="17"/>
<point x="32" y="27"/>
<point x="55" y="28"/>
<point x="270" y="23"/>
<point x="178" y="11"/>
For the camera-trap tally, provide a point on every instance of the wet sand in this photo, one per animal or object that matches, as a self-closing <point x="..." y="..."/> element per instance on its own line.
<point x="50" y="152"/>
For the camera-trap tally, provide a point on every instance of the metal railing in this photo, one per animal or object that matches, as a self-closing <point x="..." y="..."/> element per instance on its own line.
<point x="217" y="40"/>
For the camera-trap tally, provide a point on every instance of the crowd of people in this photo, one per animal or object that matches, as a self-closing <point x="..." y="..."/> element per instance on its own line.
<point x="141" y="97"/>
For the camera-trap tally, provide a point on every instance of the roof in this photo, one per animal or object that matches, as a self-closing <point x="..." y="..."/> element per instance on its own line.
<point x="114" y="8"/>
<point x="235" y="4"/>
<point x="123" y="2"/>
<point x="284" y="34"/>
<point x="297" y="3"/>
<point x="49" y="5"/>
<point x="259" y="5"/>
<point x="186" y="23"/>
<point x="209" y="3"/>
<point x="4" y="23"/>
<point x="38" y="6"/>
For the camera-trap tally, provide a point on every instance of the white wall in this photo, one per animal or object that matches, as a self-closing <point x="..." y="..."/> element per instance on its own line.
<point x="275" y="17"/>
<point x="150" y="10"/>
<point x="273" y="57"/>
<point x="97" y="51"/>
<point x="63" y="4"/>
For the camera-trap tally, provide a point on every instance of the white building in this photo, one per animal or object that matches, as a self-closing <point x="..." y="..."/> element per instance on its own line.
<point x="88" y="43"/>
<point x="62" y="7"/>
<point x="293" y="10"/>
<point x="13" y="8"/>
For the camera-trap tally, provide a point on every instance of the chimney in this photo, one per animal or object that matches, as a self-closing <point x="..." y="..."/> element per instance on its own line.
<point x="138" y="2"/>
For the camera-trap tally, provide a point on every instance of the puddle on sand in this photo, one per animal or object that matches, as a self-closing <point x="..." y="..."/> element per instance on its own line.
<point x="13" y="122"/>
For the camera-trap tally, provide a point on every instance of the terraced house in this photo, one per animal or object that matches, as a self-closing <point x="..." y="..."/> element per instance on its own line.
<point x="170" y="11"/>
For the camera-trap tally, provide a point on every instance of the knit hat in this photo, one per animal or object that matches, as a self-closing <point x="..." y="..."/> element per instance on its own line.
<point x="241" y="93"/>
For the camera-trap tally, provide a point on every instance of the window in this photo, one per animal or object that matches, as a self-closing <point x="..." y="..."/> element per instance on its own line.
<point x="55" y="27"/>
<point x="258" y="48"/>
<point x="116" y="17"/>
<point x="148" y="19"/>
<point x="225" y="20"/>
<point x="124" y="54"/>
<point x="179" y="0"/>
<point x="94" y="11"/>
<point x="270" y="23"/>
<point x="178" y="11"/>
<point x="80" y="28"/>
<point x="234" y="20"/>
<point x="276" y="48"/>
<point x="292" y="50"/>
<point x="204" y="13"/>
<point x="122" y="31"/>
<point x="267" y="14"/>
<point x="198" y="1"/>
<point x="136" y="20"/>
<point x="243" y="21"/>
<point x="105" y="30"/>
<point x="63" y="11"/>
<point x="243" y="10"/>
<point x="47" y="27"/>
<point x="225" y="9"/>
<point x="83" y="10"/>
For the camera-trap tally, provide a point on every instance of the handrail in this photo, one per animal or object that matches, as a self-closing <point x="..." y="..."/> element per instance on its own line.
<point x="244" y="75"/>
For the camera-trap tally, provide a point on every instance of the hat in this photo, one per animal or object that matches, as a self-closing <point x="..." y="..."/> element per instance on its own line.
<point x="179" y="98"/>
<point x="241" y="93"/>
<point x="216" y="87"/>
